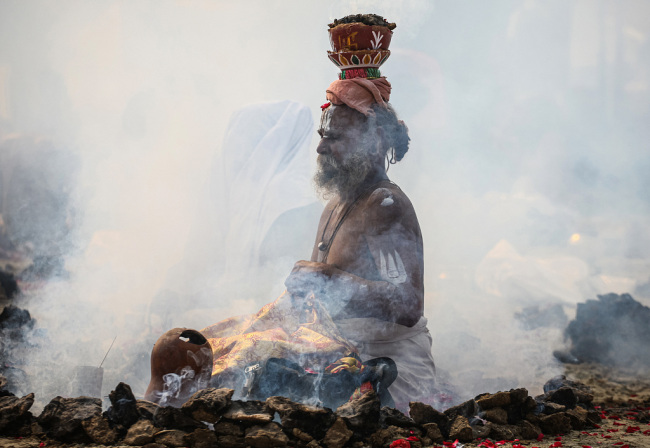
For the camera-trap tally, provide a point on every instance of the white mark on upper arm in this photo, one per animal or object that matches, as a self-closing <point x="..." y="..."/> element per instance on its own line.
<point x="387" y="201"/>
<point x="391" y="267"/>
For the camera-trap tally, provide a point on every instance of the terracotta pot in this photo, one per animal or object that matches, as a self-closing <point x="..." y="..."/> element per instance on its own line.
<point x="357" y="36"/>
<point x="183" y="353"/>
<point x="358" y="59"/>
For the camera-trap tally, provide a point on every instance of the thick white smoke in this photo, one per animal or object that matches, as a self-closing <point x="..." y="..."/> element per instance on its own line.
<point x="528" y="162"/>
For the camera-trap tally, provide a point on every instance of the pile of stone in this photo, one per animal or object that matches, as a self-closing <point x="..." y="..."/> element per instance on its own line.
<point x="211" y="418"/>
<point x="612" y="330"/>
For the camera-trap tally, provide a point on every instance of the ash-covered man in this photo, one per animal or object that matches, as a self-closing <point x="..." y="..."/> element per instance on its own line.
<point x="367" y="263"/>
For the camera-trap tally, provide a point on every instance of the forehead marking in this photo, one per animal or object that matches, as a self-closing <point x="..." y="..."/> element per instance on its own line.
<point x="326" y="120"/>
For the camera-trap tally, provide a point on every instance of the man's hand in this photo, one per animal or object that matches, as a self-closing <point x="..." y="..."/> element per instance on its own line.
<point x="308" y="277"/>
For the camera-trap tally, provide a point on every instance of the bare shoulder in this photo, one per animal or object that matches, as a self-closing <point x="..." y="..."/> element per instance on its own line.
<point x="388" y="205"/>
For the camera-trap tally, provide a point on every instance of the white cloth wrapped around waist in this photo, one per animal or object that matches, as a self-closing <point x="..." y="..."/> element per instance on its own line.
<point x="409" y="347"/>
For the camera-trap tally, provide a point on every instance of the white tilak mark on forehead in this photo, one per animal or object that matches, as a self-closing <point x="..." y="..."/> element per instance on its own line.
<point x="326" y="120"/>
<point x="391" y="267"/>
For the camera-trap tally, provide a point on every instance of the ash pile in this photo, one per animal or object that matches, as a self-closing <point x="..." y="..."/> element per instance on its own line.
<point x="212" y="419"/>
<point x="611" y="330"/>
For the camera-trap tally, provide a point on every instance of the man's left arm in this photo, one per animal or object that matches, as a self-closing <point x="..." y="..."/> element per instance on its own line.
<point x="395" y="293"/>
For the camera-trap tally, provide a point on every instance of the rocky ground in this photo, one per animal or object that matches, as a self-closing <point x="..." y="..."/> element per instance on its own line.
<point x="621" y="398"/>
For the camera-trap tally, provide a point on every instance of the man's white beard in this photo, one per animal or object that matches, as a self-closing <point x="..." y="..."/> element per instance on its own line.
<point x="342" y="179"/>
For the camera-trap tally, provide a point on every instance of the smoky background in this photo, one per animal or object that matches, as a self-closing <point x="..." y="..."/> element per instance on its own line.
<point x="528" y="167"/>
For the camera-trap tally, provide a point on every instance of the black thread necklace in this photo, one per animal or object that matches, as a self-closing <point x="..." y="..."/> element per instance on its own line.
<point x="325" y="247"/>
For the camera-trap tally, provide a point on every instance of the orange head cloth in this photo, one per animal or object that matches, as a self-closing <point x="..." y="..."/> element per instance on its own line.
<point x="360" y="93"/>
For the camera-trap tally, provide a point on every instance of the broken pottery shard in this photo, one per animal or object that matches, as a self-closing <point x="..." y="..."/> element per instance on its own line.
<point x="266" y="436"/>
<point x="171" y="438"/>
<point x="558" y="423"/>
<point x="14" y="411"/>
<point x="207" y="405"/>
<point x="338" y="435"/>
<point x="99" y="430"/>
<point x="310" y="419"/>
<point x="389" y="416"/>
<point x="140" y="433"/>
<point x="62" y="417"/>
<point x="461" y="430"/>
<point x="362" y="414"/>
<point x="252" y="411"/>
<point x="498" y="400"/>
<point x="124" y="409"/>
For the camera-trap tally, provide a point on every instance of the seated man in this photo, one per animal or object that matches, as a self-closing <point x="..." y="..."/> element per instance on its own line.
<point x="366" y="268"/>
<point x="367" y="263"/>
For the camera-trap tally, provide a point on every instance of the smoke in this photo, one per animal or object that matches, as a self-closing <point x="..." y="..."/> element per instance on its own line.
<point x="527" y="165"/>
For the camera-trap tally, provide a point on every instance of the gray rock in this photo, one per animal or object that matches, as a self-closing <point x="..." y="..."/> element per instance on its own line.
<point x="389" y="416"/>
<point x="361" y="414"/>
<point x="497" y="415"/>
<point x="202" y="438"/>
<point x="564" y="396"/>
<point x="498" y="400"/>
<point x="173" y="418"/>
<point x="553" y="408"/>
<point x="266" y="436"/>
<point x="99" y="431"/>
<point x="423" y="413"/>
<point x="461" y="430"/>
<point x="224" y="428"/>
<point x="385" y="436"/>
<point x="558" y="423"/>
<point x="503" y="432"/>
<point x="124" y="409"/>
<point x="147" y="409"/>
<point x="310" y="419"/>
<point x="433" y="432"/>
<point x="14" y="411"/>
<point x="62" y="417"/>
<point x="171" y="437"/>
<point x="338" y="435"/>
<point x="578" y="417"/>
<point x="255" y="412"/>
<point x="231" y="441"/>
<point x="208" y="405"/>
<point x="140" y="433"/>
<point x="467" y="409"/>
<point x="528" y="430"/>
